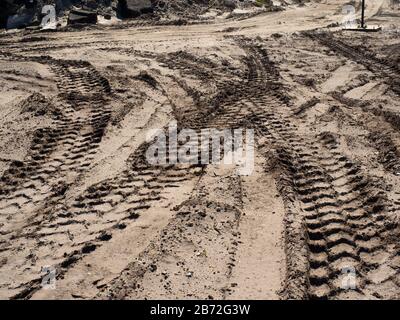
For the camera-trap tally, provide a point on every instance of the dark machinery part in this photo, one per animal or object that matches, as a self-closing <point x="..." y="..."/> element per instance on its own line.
<point x="363" y="14"/>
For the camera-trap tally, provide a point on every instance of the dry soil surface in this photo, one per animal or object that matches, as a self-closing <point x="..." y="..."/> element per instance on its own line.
<point x="323" y="200"/>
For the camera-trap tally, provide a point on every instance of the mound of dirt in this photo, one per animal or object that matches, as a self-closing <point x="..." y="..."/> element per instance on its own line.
<point x="38" y="105"/>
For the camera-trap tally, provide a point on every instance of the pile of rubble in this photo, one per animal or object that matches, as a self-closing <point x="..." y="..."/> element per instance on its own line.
<point x="30" y="13"/>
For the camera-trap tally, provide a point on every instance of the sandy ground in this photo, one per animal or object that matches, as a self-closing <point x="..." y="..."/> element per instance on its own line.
<point x="77" y="194"/>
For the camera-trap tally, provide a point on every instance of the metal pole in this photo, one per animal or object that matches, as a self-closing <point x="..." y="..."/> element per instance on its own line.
<point x="362" y="14"/>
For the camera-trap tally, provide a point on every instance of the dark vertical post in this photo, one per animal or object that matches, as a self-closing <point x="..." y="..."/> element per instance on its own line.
<point x="362" y="13"/>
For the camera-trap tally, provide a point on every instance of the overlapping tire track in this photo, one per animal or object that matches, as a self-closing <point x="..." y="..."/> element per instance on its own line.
<point x="104" y="208"/>
<point x="59" y="150"/>
<point x="343" y="214"/>
<point x="388" y="69"/>
<point x="58" y="155"/>
<point x="341" y="223"/>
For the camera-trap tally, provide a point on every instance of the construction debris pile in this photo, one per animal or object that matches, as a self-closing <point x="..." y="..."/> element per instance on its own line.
<point x="30" y="13"/>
